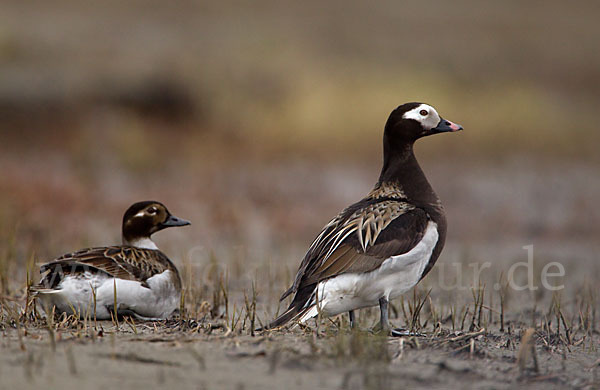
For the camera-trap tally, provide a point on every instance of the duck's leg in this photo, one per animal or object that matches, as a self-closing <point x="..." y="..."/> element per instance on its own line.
<point x="352" y="319"/>
<point x="384" y="323"/>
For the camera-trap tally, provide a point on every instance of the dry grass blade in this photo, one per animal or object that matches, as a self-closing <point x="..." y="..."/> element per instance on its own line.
<point x="115" y="307"/>
<point x="251" y="308"/>
<point x="415" y="310"/>
<point x="502" y="287"/>
<point x="527" y="351"/>
<point x="51" y="330"/>
<point x="478" y="296"/>
<point x="460" y="338"/>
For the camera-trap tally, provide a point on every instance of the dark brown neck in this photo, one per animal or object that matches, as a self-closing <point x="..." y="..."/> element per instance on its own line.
<point x="400" y="166"/>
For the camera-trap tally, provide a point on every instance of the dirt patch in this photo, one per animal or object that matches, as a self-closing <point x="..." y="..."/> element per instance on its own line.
<point x="158" y="355"/>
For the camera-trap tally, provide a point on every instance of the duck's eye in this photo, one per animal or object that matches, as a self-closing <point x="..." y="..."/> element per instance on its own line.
<point x="152" y="210"/>
<point x="423" y="112"/>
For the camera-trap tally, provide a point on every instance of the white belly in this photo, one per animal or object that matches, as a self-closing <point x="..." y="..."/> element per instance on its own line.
<point x="395" y="276"/>
<point x="75" y="295"/>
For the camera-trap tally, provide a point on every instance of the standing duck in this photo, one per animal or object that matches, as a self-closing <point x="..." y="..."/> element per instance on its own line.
<point x="383" y="245"/>
<point x="147" y="283"/>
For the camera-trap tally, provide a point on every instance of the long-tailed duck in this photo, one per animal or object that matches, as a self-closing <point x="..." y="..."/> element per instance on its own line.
<point x="383" y="245"/>
<point x="146" y="282"/>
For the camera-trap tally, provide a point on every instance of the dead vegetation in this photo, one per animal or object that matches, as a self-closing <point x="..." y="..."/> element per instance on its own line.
<point x="486" y="338"/>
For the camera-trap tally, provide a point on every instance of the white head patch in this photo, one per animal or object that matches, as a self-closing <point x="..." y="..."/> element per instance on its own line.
<point x="426" y="115"/>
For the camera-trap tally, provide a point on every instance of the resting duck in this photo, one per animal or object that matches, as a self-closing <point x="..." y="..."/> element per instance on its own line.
<point x="146" y="282"/>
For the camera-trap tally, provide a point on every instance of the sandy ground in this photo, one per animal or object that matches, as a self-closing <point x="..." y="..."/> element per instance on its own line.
<point x="155" y="358"/>
<point x="505" y="219"/>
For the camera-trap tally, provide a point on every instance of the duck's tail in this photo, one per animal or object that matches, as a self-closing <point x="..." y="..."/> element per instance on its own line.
<point x="300" y="309"/>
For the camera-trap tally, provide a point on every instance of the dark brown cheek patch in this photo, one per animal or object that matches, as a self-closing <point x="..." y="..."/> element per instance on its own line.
<point x="161" y="216"/>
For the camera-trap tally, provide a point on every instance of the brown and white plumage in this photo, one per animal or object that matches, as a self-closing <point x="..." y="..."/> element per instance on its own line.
<point x="351" y="242"/>
<point x="123" y="262"/>
<point x="381" y="246"/>
<point x="147" y="283"/>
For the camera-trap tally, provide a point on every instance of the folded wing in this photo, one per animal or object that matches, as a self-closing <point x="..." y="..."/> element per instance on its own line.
<point x="121" y="262"/>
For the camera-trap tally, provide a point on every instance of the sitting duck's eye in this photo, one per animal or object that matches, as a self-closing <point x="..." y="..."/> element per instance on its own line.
<point x="423" y="112"/>
<point x="152" y="210"/>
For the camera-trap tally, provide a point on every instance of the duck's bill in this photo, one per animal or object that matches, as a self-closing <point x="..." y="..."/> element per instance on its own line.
<point x="175" y="221"/>
<point x="446" y="125"/>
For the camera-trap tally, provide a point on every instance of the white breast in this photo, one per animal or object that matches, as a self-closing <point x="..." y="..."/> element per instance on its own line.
<point x="144" y="243"/>
<point x="395" y="276"/>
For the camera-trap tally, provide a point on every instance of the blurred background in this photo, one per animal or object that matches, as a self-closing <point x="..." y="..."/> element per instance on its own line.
<point x="260" y="120"/>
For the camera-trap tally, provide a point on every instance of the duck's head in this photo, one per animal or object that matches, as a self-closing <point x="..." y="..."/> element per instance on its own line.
<point x="143" y="219"/>
<point x="411" y="121"/>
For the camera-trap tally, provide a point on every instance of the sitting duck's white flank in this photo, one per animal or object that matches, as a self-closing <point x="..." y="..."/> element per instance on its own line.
<point x="146" y="282"/>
